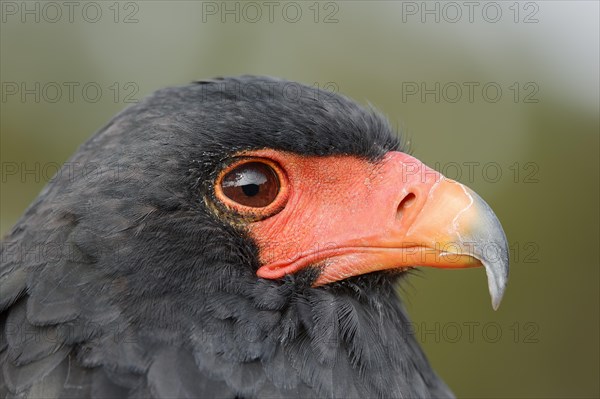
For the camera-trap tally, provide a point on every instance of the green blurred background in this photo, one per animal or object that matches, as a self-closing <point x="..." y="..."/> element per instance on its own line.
<point x="531" y="152"/>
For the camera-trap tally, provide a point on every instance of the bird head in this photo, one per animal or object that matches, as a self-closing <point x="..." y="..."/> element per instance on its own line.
<point x="319" y="185"/>
<point x="258" y="223"/>
<point x="197" y="186"/>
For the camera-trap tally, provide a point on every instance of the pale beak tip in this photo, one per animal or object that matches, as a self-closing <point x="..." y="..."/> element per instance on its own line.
<point x="491" y="248"/>
<point x="497" y="280"/>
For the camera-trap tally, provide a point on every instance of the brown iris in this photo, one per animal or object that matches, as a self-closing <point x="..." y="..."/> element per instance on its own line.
<point x="252" y="184"/>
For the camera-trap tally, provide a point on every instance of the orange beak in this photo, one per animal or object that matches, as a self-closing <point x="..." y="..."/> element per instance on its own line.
<point x="348" y="217"/>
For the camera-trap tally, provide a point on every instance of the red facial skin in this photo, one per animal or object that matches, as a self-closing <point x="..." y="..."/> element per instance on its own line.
<point x="349" y="216"/>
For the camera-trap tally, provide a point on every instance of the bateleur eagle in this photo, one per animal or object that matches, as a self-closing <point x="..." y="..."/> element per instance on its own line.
<point x="237" y="238"/>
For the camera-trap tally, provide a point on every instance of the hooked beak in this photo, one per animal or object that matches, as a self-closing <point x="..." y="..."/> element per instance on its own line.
<point x="456" y="228"/>
<point x="398" y="215"/>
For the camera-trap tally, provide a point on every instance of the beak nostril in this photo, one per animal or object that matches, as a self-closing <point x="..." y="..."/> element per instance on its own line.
<point x="406" y="203"/>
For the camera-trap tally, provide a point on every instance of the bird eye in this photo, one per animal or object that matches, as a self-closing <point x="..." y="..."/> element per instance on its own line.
<point x="252" y="184"/>
<point x="253" y="188"/>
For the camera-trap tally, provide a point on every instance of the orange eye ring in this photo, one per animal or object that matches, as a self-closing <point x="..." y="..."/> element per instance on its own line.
<point x="252" y="187"/>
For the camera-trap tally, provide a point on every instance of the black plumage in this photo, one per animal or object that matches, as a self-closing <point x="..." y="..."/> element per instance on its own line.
<point x="118" y="281"/>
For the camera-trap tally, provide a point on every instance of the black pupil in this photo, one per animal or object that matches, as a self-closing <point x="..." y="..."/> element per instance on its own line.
<point x="251" y="189"/>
